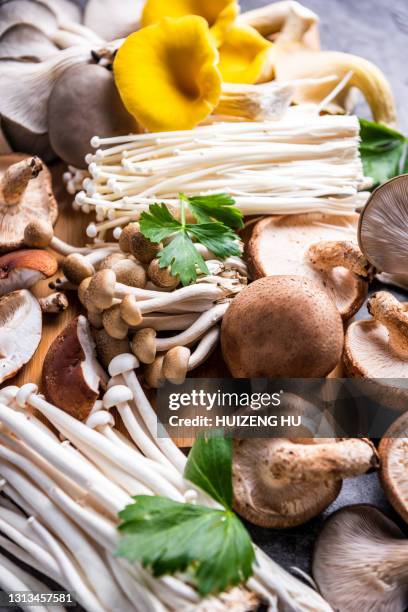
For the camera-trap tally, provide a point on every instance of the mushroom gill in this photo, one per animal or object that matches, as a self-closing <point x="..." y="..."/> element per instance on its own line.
<point x="360" y="561"/>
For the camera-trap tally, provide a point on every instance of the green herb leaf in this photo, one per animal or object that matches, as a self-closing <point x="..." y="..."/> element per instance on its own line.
<point x="209" y="467"/>
<point x="183" y="258"/>
<point x="180" y="254"/>
<point x="169" y="537"/>
<point x="383" y="151"/>
<point x="218" y="207"/>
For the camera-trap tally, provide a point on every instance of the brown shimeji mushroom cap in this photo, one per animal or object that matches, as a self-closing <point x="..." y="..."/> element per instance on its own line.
<point x="394" y="465"/>
<point x="360" y="561"/>
<point x="25" y="195"/>
<point x="281" y="245"/>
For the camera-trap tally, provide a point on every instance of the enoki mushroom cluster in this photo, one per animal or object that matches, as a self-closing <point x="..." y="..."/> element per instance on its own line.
<point x="63" y="494"/>
<point x="303" y="162"/>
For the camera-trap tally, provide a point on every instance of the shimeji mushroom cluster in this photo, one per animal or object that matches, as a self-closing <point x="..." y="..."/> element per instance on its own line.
<point x="126" y="292"/>
<point x="62" y="494"/>
<point x="301" y="163"/>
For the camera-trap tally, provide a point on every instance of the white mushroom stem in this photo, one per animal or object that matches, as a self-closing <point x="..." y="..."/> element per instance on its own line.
<point x="386" y="309"/>
<point x="204" y="348"/>
<point x="206" y="321"/>
<point x="328" y="254"/>
<point x="176" y="322"/>
<point x="11" y="580"/>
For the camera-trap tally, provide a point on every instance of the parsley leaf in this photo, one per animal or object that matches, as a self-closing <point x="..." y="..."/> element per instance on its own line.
<point x="180" y="253"/>
<point x="183" y="258"/>
<point x="383" y="151"/>
<point x="218" y="207"/>
<point x="209" y="467"/>
<point x="170" y="536"/>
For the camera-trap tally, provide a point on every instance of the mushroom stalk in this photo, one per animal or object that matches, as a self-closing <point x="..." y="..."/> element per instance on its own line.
<point x="328" y="254"/>
<point x="16" y="178"/>
<point x="386" y="309"/>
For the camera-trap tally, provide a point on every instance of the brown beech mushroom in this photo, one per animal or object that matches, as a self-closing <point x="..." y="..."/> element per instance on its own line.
<point x="162" y="277"/>
<point x="377" y="349"/>
<point x="20" y="331"/>
<point x="132" y="241"/>
<point x="107" y="348"/>
<point x="360" y="561"/>
<point x="101" y="289"/>
<point x="279" y="483"/>
<point x="282" y="327"/>
<point x="71" y="374"/>
<point x="25" y="195"/>
<point x="87" y="99"/>
<point x="320" y="246"/>
<point x="22" y="269"/>
<point x="393" y="452"/>
<point x="144" y="345"/>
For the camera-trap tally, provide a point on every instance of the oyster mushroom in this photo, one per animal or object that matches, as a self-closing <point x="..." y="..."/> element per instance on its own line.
<point x="382" y="231"/>
<point x="38" y="13"/>
<point x="282" y="327"/>
<point x="71" y="373"/>
<point x="20" y="331"/>
<point x="360" y="561"/>
<point x="281" y="245"/>
<point x="22" y="269"/>
<point x="24" y="41"/>
<point x="25" y="195"/>
<point x="104" y="18"/>
<point x="22" y="140"/>
<point x="393" y="451"/>
<point x="377" y="350"/>
<point x="87" y="98"/>
<point x="279" y="483"/>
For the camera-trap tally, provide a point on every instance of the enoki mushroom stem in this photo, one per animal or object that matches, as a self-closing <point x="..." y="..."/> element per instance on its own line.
<point x="386" y="309"/>
<point x="328" y="254"/>
<point x="16" y="178"/>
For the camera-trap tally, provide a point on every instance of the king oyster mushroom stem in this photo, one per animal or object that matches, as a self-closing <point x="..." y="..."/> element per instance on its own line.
<point x="22" y="269"/>
<point x="25" y="195"/>
<point x="393" y="451"/>
<point x="265" y="102"/>
<point x="297" y="481"/>
<point x="360" y="546"/>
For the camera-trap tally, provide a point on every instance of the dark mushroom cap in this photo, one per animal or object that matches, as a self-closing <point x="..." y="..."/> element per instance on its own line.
<point x="393" y="452"/>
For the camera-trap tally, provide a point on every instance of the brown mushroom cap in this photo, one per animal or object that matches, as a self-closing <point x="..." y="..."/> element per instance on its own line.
<point x="279" y="245"/>
<point x="393" y="452"/>
<point x="282" y="327"/>
<point x="382" y="230"/>
<point x="22" y="269"/>
<point x="71" y="374"/>
<point x="108" y="348"/>
<point x="20" y="331"/>
<point x="270" y="502"/>
<point x="87" y="99"/>
<point x="360" y="561"/>
<point x="36" y="202"/>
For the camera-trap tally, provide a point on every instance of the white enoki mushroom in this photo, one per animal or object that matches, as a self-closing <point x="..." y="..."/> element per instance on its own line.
<point x="301" y="163"/>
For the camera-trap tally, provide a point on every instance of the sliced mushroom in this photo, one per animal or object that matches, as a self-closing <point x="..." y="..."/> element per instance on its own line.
<point x="71" y="373"/>
<point x="360" y="561"/>
<point x="279" y="483"/>
<point x="393" y="452"/>
<point x="104" y="18"/>
<point x="87" y="98"/>
<point x="282" y="327"/>
<point x="22" y="269"/>
<point x="24" y="41"/>
<point x="20" y="331"/>
<point x="29" y="11"/>
<point x="383" y="227"/>
<point x="281" y="245"/>
<point x="22" y="140"/>
<point x="377" y="349"/>
<point x="25" y="195"/>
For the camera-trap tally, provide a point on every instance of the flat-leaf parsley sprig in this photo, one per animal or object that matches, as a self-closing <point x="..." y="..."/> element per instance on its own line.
<point x="216" y="217"/>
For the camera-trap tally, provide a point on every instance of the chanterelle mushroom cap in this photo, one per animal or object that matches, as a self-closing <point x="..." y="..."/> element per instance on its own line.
<point x="86" y="97"/>
<point x="360" y="561"/>
<point x="393" y="452"/>
<point x="282" y="327"/>
<point x="20" y="331"/>
<point x="280" y="245"/>
<point x="71" y="373"/>
<point x="382" y="230"/>
<point x="25" y="195"/>
<point x="279" y="483"/>
<point x="22" y="269"/>
<point x="378" y="349"/>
